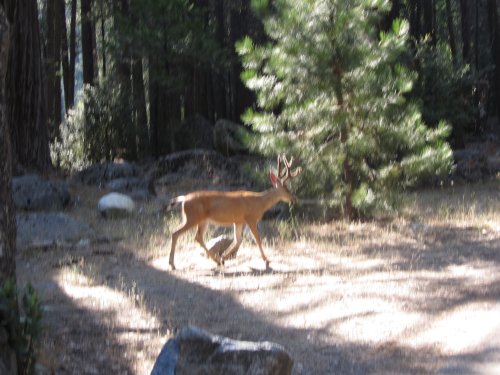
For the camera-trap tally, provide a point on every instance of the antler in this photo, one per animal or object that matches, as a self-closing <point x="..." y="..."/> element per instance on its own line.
<point x="285" y="173"/>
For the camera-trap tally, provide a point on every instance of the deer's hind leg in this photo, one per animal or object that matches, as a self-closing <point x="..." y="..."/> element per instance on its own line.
<point x="199" y="238"/>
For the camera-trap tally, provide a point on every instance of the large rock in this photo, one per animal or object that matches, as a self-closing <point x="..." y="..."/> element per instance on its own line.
<point x="115" y="205"/>
<point x="229" y="138"/>
<point x="32" y="192"/>
<point x="100" y="174"/>
<point x="139" y="188"/>
<point x="174" y="162"/>
<point x="194" y="351"/>
<point x="44" y="229"/>
<point x="470" y="164"/>
<point x="196" y="132"/>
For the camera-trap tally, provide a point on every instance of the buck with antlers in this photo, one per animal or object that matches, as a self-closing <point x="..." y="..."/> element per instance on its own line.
<point x="235" y="207"/>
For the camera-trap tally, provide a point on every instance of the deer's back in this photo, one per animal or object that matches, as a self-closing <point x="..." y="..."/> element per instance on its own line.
<point x="223" y="207"/>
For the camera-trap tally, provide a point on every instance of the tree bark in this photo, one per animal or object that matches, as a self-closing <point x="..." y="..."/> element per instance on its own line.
<point x="7" y="217"/>
<point x="451" y="31"/>
<point x="429" y="18"/>
<point x="464" y="13"/>
<point x="389" y="18"/>
<point x="25" y="88"/>
<point x="54" y="92"/>
<point x="72" y="56"/>
<point x="87" y="42"/>
<point x="495" y="49"/>
<point x="65" y="57"/>
<point x="8" y="360"/>
<point x="139" y="103"/>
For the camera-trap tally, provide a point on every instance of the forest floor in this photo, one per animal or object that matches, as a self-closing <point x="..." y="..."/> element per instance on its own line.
<point x="415" y="294"/>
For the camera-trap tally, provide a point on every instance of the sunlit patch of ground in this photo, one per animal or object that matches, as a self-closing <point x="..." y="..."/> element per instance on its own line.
<point x="419" y="294"/>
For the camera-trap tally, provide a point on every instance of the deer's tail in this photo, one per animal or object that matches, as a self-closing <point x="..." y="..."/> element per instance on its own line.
<point x="175" y="201"/>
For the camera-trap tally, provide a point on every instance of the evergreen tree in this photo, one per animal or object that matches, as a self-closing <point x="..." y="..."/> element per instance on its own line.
<point x="331" y="88"/>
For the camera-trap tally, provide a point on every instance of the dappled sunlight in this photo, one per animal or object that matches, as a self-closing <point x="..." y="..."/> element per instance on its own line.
<point x="390" y="296"/>
<point x="122" y="314"/>
<point x="354" y="289"/>
<point x="467" y="327"/>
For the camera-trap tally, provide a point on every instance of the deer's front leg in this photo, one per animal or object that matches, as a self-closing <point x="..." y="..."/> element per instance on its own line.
<point x="175" y="236"/>
<point x="255" y="232"/>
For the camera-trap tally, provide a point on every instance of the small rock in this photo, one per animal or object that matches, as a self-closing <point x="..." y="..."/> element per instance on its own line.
<point x="115" y="205"/>
<point x="229" y="137"/>
<point x="220" y="244"/>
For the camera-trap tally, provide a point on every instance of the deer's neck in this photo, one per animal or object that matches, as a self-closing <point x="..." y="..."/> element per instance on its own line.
<point x="270" y="198"/>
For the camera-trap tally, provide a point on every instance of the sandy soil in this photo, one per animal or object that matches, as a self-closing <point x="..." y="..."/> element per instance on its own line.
<point x="412" y="295"/>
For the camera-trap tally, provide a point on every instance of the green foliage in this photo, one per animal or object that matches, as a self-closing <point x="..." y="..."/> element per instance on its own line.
<point x="108" y="125"/>
<point x="444" y="87"/>
<point x="67" y="151"/>
<point x="99" y="128"/>
<point x="23" y="332"/>
<point x="333" y="90"/>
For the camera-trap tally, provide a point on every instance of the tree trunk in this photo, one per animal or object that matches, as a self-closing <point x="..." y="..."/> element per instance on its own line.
<point x="415" y="18"/>
<point x="65" y="57"/>
<point x="388" y="19"/>
<point x="495" y="49"/>
<point x="87" y="42"/>
<point x="216" y="73"/>
<point x="464" y="12"/>
<point x="124" y="77"/>
<point x="451" y="31"/>
<point x="72" y="57"/>
<point x="347" y="177"/>
<point x="103" y="40"/>
<point x="139" y="102"/>
<point x="50" y="62"/>
<point x="56" y="116"/>
<point x="25" y="88"/>
<point x="429" y="26"/>
<point x="7" y="217"/>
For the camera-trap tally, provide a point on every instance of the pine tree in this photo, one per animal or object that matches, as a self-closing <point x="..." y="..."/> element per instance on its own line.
<point x="331" y="89"/>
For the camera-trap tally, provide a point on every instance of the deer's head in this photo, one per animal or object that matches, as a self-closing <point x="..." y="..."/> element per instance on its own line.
<point x="284" y="174"/>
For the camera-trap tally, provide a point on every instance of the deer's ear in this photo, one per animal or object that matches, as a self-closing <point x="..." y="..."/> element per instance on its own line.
<point x="274" y="180"/>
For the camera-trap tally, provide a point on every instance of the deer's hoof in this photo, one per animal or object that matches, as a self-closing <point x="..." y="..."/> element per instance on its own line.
<point x="172" y="266"/>
<point x="267" y="264"/>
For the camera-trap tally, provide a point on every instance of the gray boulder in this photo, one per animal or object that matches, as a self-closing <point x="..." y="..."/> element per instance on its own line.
<point x="100" y="174"/>
<point x="45" y="229"/>
<point x="194" y="351"/>
<point x="139" y="188"/>
<point x="32" y="192"/>
<point x="196" y="132"/>
<point x="220" y="244"/>
<point x="229" y="138"/>
<point x="176" y="161"/>
<point x="470" y="164"/>
<point x="115" y="205"/>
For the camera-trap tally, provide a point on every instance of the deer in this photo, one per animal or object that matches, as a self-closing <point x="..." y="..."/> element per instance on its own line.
<point x="237" y="208"/>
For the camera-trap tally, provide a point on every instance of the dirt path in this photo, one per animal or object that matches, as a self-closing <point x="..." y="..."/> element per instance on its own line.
<point x="392" y="297"/>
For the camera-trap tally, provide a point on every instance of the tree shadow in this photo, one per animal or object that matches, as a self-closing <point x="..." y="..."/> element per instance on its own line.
<point x="90" y="340"/>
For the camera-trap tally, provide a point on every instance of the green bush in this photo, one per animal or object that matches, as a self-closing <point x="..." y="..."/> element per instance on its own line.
<point x="99" y="128"/>
<point x="23" y="332"/>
